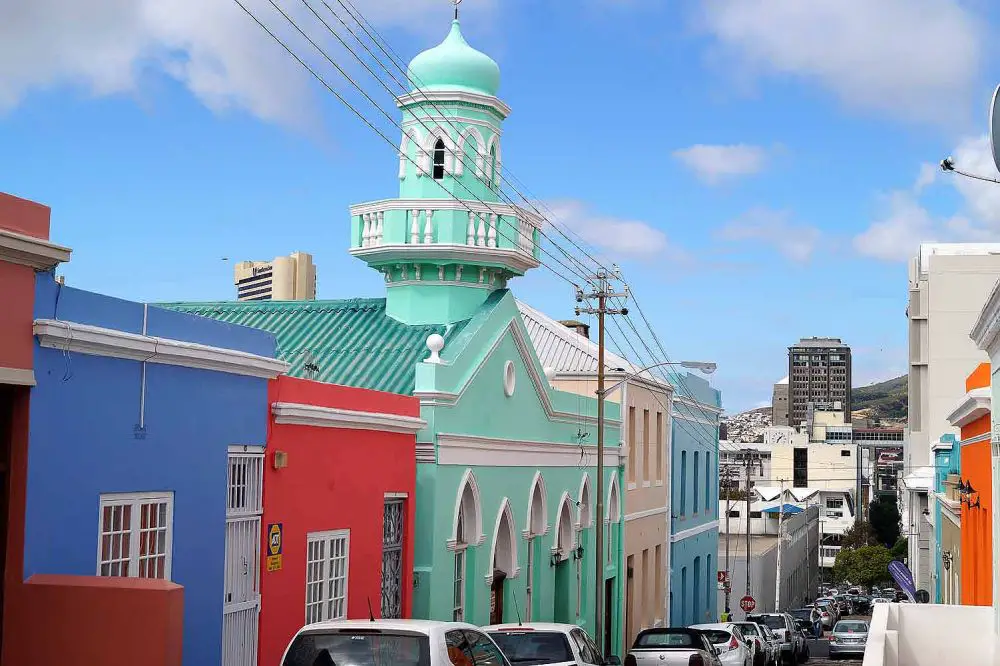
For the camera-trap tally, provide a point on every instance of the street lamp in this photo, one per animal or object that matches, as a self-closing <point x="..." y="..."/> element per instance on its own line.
<point x="707" y="367"/>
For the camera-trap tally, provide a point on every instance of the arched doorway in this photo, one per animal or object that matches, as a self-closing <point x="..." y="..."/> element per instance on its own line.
<point x="504" y="563"/>
<point x="562" y="551"/>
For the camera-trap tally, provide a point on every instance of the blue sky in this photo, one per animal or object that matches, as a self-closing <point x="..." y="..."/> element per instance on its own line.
<point x="760" y="169"/>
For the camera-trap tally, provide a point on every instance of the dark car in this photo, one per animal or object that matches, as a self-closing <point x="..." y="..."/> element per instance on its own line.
<point x="804" y="618"/>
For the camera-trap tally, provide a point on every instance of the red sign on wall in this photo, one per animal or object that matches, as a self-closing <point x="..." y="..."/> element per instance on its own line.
<point x="722" y="576"/>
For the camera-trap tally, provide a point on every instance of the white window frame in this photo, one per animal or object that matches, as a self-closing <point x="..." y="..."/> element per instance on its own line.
<point x="135" y="501"/>
<point x="326" y="599"/>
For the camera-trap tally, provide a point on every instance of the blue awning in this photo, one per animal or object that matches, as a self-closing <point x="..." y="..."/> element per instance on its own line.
<point x="788" y="508"/>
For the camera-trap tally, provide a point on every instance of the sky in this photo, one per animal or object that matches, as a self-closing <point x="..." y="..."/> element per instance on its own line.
<point x="761" y="170"/>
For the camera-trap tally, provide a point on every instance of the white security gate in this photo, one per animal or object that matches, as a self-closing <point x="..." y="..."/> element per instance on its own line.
<point x="242" y="590"/>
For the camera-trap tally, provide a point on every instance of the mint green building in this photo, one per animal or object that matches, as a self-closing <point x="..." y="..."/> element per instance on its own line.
<point x="506" y="467"/>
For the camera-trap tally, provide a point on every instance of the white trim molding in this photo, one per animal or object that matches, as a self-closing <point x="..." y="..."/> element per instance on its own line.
<point x="100" y="341"/>
<point x="30" y="251"/>
<point x="688" y="402"/>
<point x="471" y="451"/>
<point x="17" y="376"/>
<point x="293" y="413"/>
<point x="694" y="531"/>
<point x="423" y="96"/>
<point x="516" y="259"/>
<point x="975" y="404"/>
<point x="986" y="331"/>
<point x="500" y="209"/>
<point x="638" y="515"/>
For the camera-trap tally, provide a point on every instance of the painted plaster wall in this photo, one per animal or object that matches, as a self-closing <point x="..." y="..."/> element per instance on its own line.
<point x="474" y="367"/>
<point x="977" y="524"/>
<point x="321" y="490"/>
<point x="84" y="414"/>
<point x="693" y="578"/>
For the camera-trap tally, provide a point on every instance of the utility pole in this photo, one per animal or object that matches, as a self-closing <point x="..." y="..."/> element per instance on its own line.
<point x="600" y="284"/>
<point x="729" y="505"/>
<point x="777" y="574"/>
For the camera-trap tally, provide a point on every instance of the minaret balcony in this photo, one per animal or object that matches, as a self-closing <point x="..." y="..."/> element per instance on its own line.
<point x="446" y="230"/>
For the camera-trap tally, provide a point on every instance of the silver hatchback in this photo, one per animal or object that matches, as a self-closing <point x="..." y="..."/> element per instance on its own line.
<point x="848" y="637"/>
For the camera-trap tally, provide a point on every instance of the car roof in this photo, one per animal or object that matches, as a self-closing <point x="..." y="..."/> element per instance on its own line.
<point x="427" y="627"/>
<point x="725" y="626"/>
<point x="532" y="626"/>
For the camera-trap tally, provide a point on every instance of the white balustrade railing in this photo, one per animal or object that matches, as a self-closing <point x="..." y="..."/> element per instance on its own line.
<point x="482" y="230"/>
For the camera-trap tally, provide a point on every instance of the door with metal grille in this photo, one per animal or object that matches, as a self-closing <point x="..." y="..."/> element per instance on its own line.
<point x="241" y="606"/>
<point x="392" y="558"/>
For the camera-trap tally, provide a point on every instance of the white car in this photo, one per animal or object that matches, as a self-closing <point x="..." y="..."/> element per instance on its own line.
<point x="880" y="600"/>
<point x="392" y="643"/>
<point x="548" y="643"/>
<point x="733" y="649"/>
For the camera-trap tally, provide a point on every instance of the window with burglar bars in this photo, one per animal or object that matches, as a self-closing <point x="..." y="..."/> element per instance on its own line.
<point x="326" y="575"/>
<point x="245" y="473"/>
<point x="392" y="558"/>
<point x="136" y="531"/>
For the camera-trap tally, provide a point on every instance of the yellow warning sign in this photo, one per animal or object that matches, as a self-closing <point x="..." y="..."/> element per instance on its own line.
<point x="274" y="562"/>
<point x="274" y="539"/>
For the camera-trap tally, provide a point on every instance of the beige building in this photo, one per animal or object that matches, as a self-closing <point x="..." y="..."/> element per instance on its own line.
<point x="948" y="285"/>
<point x="779" y="403"/>
<point x="570" y="359"/>
<point x="291" y="278"/>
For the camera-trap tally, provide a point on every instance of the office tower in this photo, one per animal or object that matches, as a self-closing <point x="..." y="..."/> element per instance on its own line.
<point x="819" y="372"/>
<point x="291" y="278"/>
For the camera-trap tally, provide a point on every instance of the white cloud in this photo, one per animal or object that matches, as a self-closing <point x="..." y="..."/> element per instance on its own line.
<point x="210" y="46"/>
<point x="620" y="238"/>
<point x="896" y="235"/>
<point x="982" y="200"/>
<point x="774" y="227"/>
<point x="916" y="59"/>
<point x="715" y="163"/>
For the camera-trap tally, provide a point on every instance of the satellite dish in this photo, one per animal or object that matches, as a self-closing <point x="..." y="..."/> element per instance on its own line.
<point x="995" y="127"/>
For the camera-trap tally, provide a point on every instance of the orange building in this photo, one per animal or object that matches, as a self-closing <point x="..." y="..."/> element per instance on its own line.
<point x="973" y="417"/>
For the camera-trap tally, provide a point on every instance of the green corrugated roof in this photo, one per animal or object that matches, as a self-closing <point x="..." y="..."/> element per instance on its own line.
<point x="353" y="342"/>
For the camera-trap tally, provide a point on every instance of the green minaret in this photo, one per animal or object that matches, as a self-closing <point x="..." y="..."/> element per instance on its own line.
<point x="447" y="241"/>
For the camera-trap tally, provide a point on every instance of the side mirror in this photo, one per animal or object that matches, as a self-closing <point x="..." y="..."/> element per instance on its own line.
<point x="612" y="661"/>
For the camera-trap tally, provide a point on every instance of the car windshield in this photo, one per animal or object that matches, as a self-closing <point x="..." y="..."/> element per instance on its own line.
<point x="533" y="647"/>
<point x="851" y="628"/>
<point x="749" y="628"/>
<point x="773" y="621"/>
<point x="680" y="639"/>
<point x="717" y="636"/>
<point x="360" y="648"/>
<point x="802" y="613"/>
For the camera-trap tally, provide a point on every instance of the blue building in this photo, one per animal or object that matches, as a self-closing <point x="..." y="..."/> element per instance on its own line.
<point x="946" y="514"/>
<point x="694" y="515"/>
<point x="138" y="418"/>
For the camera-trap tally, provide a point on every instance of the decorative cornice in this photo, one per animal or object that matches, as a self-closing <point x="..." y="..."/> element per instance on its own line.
<point x="694" y="531"/>
<point x="30" y="251"/>
<point x="292" y="413"/>
<point x="975" y="404"/>
<point x="423" y="96"/>
<point x="17" y="376"/>
<point x="638" y="515"/>
<point x="439" y="120"/>
<point x="986" y="331"/>
<point x="99" y="341"/>
<point x="454" y="253"/>
<point x="684" y="400"/>
<point x="541" y="384"/>
<point x="508" y="453"/>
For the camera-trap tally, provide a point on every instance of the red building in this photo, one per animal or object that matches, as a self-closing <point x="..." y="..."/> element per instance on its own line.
<point x="339" y="488"/>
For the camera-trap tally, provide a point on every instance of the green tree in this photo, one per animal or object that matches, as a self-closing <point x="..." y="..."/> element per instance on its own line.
<point x="858" y="535"/>
<point x="866" y="566"/>
<point x="900" y="551"/>
<point x="884" y="517"/>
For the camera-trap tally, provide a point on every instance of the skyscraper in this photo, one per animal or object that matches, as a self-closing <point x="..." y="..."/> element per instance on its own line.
<point x="819" y="371"/>
<point x="291" y="278"/>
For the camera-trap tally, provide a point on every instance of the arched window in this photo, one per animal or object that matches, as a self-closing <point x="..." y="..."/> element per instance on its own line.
<point x="494" y="176"/>
<point x="468" y="528"/>
<point x="536" y="527"/>
<point x="438" y="169"/>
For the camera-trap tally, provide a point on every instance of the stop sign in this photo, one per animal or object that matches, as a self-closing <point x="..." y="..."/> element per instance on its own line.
<point x="748" y="604"/>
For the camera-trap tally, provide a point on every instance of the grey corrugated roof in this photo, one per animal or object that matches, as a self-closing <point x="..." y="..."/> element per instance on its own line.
<point x="566" y="350"/>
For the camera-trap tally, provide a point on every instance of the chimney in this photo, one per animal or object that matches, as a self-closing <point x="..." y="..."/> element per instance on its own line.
<point x="578" y="326"/>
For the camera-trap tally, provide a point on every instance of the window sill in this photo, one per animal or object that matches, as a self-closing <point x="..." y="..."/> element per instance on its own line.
<point x="645" y="484"/>
<point x="631" y="486"/>
<point x="659" y="484"/>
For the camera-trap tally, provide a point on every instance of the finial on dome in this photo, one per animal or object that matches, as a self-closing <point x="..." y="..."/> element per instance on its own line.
<point x="456" y="3"/>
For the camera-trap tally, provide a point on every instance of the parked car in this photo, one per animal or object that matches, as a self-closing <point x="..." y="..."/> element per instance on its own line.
<point x="534" y="644"/>
<point x="792" y="643"/>
<point x="849" y="637"/>
<point x="862" y="603"/>
<point x="846" y="604"/>
<point x="732" y="647"/>
<point x="832" y="607"/>
<point x="765" y="653"/>
<point x="392" y="643"/>
<point x="806" y="617"/>
<point x="672" y="646"/>
<point x="880" y="600"/>
<point x="775" y="642"/>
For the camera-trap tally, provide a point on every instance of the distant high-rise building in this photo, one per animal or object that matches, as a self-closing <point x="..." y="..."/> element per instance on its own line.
<point x="779" y="403"/>
<point x="291" y="278"/>
<point x="819" y="372"/>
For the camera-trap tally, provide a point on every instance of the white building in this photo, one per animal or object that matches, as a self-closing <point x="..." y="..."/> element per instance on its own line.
<point x="949" y="282"/>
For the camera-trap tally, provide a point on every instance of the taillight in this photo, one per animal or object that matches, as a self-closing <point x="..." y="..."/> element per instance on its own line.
<point x="696" y="660"/>
<point x="733" y="644"/>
